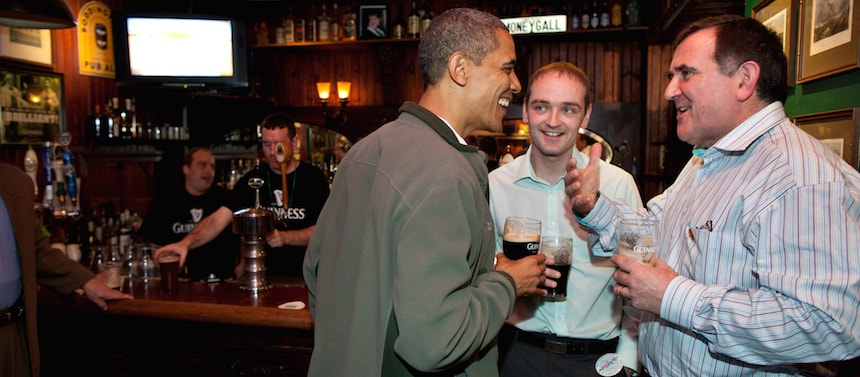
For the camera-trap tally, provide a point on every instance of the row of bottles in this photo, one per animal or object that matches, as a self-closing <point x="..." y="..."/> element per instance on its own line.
<point x="605" y="14"/>
<point x="334" y="24"/>
<point x="118" y="121"/>
<point x="405" y="20"/>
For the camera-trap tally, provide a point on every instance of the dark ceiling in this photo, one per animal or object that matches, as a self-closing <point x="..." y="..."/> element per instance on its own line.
<point x="681" y="12"/>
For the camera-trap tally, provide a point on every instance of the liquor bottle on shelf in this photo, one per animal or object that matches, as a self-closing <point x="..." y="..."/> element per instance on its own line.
<point x="605" y="16"/>
<point x="398" y="30"/>
<point x="633" y="13"/>
<point x="334" y="33"/>
<point x="94" y="130"/>
<point x="413" y="23"/>
<point x="289" y="25"/>
<point x="323" y="25"/>
<point x="427" y="18"/>
<point x="300" y="29"/>
<point x="311" y="24"/>
<point x="106" y="122"/>
<point x="595" y="15"/>
<point x="348" y="24"/>
<point x="574" y="17"/>
<point x="617" y="18"/>
<point x="585" y="16"/>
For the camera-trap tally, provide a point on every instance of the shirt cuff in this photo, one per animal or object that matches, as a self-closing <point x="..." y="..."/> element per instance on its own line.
<point x="681" y="301"/>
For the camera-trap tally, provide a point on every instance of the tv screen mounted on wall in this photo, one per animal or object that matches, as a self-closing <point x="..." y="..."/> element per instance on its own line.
<point x="183" y="51"/>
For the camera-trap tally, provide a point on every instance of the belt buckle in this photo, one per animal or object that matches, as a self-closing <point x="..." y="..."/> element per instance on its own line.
<point x="555" y="347"/>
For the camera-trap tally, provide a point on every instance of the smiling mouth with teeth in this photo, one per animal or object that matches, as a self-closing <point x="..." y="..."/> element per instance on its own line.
<point x="504" y="102"/>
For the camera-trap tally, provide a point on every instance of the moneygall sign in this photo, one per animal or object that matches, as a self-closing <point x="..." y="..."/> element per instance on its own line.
<point x="536" y="24"/>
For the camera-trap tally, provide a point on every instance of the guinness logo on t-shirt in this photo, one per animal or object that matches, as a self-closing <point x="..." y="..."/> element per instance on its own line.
<point x="196" y="214"/>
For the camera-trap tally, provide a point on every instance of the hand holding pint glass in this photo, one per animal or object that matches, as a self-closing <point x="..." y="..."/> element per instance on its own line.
<point x="637" y="240"/>
<point x="521" y="237"/>
<point x="559" y="252"/>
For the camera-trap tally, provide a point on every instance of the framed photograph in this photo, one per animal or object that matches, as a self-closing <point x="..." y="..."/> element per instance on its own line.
<point x="780" y="16"/>
<point x="373" y="21"/>
<point x="829" y="39"/>
<point x="28" y="45"/>
<point x="839" y="130"/>
<point x="31" y="107"/>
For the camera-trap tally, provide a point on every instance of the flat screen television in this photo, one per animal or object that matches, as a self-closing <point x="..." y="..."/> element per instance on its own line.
<point x="179" y="50"/>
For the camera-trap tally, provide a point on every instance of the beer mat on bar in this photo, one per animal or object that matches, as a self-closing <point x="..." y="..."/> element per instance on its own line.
<point x="293" y="305"/>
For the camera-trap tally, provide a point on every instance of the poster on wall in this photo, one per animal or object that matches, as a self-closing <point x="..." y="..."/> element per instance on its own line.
<point x="31" y="107"/>
<point x="95" y="41"/>
<point x="28" y="45"/>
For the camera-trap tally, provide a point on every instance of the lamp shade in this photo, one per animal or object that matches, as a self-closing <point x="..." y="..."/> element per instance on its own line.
<point x="324" y="90"/>
<point x="343" y="89"/>
<point x="36" y="14"/>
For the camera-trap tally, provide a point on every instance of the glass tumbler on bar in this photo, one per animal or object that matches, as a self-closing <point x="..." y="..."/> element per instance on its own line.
<point x="521" y="237"/>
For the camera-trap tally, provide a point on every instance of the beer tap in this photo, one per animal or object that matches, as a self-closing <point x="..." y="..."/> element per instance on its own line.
<point x="49" y="176"/>
<point x="69" y="172"/>
<point x="31" y="165"/>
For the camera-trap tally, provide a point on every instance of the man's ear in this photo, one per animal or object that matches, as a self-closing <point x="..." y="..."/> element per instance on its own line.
<point x="458" y="68"/>
<point x="748" y="75"/>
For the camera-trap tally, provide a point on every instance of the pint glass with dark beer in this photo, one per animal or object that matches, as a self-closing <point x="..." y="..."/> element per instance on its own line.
<point x="521" y="237"/>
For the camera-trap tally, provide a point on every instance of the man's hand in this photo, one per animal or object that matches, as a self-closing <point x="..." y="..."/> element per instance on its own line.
<point x="99" y="293"/>
<point x="528" y="273"/>
<point x="180" y="248"/>
<point x="643" y="284"/>
<point x="581" y="185"/>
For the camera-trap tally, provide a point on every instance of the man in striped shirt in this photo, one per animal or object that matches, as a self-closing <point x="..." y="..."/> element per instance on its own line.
<point x="759" y="238"/>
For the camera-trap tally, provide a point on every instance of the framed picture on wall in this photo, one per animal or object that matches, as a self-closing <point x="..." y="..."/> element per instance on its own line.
<point x="829" y="39"/>
<point x="373" y="21"/>
<point x="839" y="130"/>
<point x="780" y="16"/>
<point x="31" y="107"/>
<point x="28" y="45"/>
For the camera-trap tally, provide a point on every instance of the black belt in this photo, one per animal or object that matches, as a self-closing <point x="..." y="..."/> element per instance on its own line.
<point x="562" y="345"/>
<point x="12" y="313"/>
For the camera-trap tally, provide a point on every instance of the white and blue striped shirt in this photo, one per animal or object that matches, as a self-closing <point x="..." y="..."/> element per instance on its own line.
<point x="764" y="231"/>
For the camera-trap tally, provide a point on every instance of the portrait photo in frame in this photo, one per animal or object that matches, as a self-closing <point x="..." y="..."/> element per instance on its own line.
<point x="781" y="17"/>
<point x="373" y="21"/>
<point x="829" y="39"/>
<point x="31" y="106"/>
<point x="27" y="45"/>
<point x="838" y="129"/>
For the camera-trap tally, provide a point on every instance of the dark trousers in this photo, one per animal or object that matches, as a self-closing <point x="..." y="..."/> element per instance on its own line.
<point x="518" y="359"/>
<point x="14" y="357"/>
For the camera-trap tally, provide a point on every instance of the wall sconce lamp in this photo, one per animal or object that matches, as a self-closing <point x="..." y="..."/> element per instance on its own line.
<point x="36" y="14"/>
<point x="338" y="118"/>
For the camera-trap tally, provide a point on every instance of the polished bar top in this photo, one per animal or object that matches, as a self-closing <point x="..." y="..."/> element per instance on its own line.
<point x="226" y="303"/>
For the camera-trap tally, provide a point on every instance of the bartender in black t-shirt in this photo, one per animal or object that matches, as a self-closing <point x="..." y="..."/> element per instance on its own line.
<point x="307" y="191"/>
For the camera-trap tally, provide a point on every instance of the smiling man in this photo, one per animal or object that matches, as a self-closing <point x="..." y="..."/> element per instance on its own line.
<point x="757" y="270"/>
<point x="588" y="324"/>
<point x="400" y="268"/>
<point x="175" y="211"/>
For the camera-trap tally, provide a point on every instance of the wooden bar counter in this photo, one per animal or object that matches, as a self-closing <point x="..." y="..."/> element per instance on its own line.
<point x="201" y="329"/>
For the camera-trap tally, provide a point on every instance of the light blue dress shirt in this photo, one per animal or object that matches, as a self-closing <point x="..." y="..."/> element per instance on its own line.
<point x="591" y="311"/>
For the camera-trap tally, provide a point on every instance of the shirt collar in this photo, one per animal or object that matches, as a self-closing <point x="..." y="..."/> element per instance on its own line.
<point x="523" y="169"/>
<point x="459" y="138"/>
<point x="742" y="136"/>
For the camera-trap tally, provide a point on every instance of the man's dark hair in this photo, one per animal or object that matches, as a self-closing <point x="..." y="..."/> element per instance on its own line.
<point x="189" y="156"/>
<point x="280" y="120"/>
<point x="741" y="39"/>
<point x="460" y="29"/>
